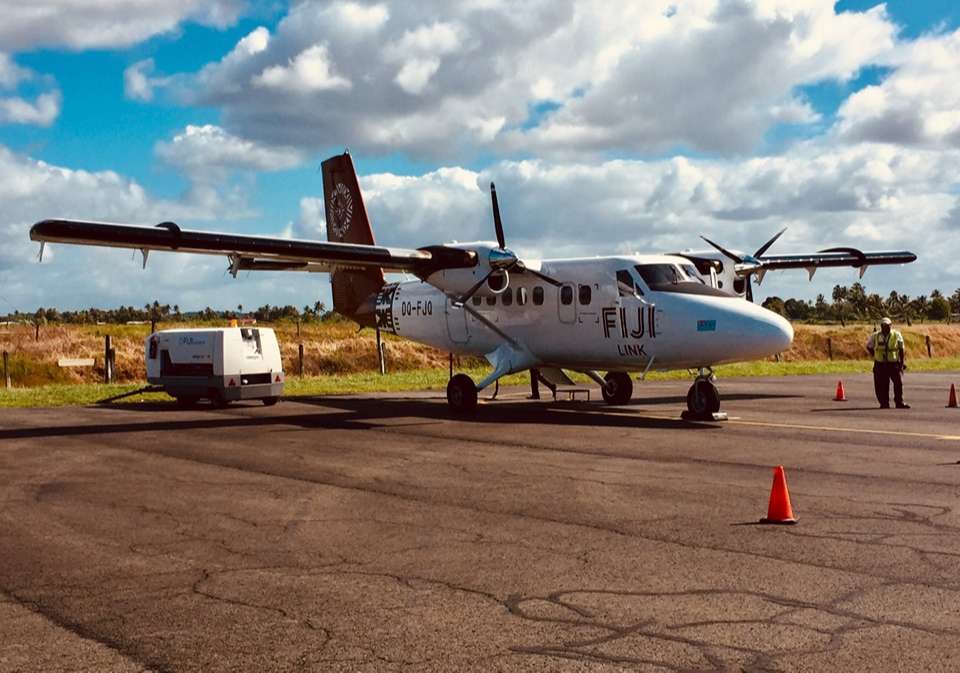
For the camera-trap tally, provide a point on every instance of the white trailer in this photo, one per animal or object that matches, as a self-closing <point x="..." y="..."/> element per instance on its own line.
<point x="219" y="364"/>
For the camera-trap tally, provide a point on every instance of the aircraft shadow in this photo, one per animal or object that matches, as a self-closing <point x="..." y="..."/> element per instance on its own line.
<point x="348" y="413"/>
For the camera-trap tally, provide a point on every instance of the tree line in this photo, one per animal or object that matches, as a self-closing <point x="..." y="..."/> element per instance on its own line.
<point x="855" y="303"/>
<point x="157" y="312"/>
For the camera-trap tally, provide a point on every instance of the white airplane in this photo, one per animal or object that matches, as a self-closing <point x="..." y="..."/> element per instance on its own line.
<point x="621" y="314"/>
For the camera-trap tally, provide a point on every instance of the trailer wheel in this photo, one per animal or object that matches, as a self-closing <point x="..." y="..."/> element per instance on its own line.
<point x="187" y="400"/>
<point x="270" y="401"/>
<point x="217" y="398"/>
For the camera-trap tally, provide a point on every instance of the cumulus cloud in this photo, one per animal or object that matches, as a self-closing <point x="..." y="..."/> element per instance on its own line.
<point x="309" y="71"/>
<point x="104" y="24"/>
<point x="138" y="82"/>
<point x="916" y="104"/>
<point x="10" y="73"/>
<point x="209" y="154"/>
<point x="872" y="196"/>
<point x="75" y="276"/>
<point x="712" y="75"/>
<point x="42" y="111"/>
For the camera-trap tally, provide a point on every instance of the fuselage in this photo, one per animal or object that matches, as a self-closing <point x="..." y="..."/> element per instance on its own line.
<point x="625" y="313"/>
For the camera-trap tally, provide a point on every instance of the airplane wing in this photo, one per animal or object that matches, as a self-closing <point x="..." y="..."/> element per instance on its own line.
<point x="251" y="252"/>
<point x="833" y="257"/>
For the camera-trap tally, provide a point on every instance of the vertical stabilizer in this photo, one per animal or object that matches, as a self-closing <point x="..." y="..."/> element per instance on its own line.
<point x="354" y="291"/>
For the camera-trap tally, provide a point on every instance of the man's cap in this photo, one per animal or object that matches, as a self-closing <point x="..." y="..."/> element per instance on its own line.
<point x="886" y="321"/>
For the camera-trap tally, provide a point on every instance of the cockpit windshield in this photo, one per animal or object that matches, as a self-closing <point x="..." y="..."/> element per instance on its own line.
<point x="660" y="274"/>
<point x="680" y="278"/>
<point x="693" y="274"/>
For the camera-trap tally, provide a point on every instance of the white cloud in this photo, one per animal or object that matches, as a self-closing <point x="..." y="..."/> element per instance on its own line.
<point x="918" y="103"/>
<point x="208" y="154"/>
<point x="75" y="276"/>
<point x="43" y="111"/>
<point x="310" y="71"/>
<point x="10" y="73"/>
<point x="439" y="80"/>
<point x="138" y="84"/>
<point x="104" y="24"/>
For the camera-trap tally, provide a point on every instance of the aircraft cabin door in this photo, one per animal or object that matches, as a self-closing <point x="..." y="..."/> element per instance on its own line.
<point x="566" y="306"/>
<point x="456" y="323"/>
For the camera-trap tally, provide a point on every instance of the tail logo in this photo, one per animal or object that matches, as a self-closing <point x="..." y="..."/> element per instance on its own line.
<point x="341" y="210"/>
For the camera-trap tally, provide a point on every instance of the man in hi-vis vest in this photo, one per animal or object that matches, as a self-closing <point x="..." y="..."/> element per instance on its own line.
<point x="886" y="347"/>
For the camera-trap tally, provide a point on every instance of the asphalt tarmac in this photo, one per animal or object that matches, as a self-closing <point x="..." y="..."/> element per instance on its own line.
<point x="377" y="533"/>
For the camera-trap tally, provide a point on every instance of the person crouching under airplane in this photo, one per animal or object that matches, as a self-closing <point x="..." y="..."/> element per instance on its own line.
<point x="886" y="347"/>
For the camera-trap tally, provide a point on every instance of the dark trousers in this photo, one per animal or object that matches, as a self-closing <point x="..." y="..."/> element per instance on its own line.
<point x="534" y="384"/>
<point x="883" y="373"/>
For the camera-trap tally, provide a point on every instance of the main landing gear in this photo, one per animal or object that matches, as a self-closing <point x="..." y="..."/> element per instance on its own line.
<point x="462" y="394"/>
<point x="618" y="388"/>
<point x="703" y="398"/>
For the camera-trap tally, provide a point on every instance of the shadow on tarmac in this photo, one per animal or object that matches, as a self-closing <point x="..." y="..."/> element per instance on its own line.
<point x="352" y="413"/>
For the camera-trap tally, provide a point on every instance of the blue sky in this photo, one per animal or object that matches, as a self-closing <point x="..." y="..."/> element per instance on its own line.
<point x="666" y="115"/>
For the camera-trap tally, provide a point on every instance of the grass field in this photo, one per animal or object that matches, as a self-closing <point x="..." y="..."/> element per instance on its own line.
<point x="434" y="378"/>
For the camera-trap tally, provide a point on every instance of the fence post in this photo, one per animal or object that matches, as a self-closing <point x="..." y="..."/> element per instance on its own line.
<point x="300" y="354"/>
<point x="6" y="374"/>
<point x="107" y="359"/>
<point x="929" y="347"/>
<point x="829" y="348"/>
<point x="380" y="356"/>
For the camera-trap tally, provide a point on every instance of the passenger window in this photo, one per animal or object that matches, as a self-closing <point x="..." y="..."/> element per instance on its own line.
<point x="566" y="295"/>
<point x="521" y="296"/>
<point x="538" y="295"/>
<point x="507" y="297"/>
<point x="492" y="300"/>
<point x="585" y="295"/>
<point x="477" y="300"/>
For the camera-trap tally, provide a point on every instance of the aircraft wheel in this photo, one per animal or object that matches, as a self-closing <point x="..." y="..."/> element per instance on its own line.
<point x="703" y="398"/>
<point x="619" y="388"/>
<point x="462" y="394"/>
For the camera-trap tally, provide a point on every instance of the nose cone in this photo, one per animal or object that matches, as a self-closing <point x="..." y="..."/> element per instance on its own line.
<point x="763" y="333"/>
<point x="778" y="332"/>
<point x="754" y="333"/>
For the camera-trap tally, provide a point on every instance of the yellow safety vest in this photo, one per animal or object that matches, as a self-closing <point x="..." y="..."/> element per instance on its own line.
<point x="887" y="348"/>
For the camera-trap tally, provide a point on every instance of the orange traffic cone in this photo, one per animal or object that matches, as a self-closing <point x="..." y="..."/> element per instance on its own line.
<point x="952" y="400"/>
<point x="779" y="510"/>
<point x="841" y="396"/>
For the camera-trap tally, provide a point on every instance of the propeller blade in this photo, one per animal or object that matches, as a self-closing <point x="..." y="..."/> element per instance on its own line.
<point x="493" y="328"/>
<point x="749" y="290"/>
<point x="727" y="253"/>
<point x="473" y="290"/>
<point x="497" y="223"/>
<point x="766" y="246"/>
<point x="543" y="276"/>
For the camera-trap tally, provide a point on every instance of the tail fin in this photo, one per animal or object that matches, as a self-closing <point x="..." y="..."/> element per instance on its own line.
<point x="354" y="291"/>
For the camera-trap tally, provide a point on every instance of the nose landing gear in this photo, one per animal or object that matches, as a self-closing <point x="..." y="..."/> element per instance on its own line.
<point x="703" y="398"/>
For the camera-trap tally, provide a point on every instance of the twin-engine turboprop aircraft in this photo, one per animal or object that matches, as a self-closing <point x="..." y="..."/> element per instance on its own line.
<point x="620" y="314"/>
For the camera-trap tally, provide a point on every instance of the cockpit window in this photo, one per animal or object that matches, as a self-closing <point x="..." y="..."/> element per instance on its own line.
<point x="626" y="285"/>
<point x="660" y="274"/>
<point x="693" y="274"/>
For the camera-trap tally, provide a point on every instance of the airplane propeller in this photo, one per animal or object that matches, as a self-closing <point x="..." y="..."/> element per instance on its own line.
<point x="501" y="259"/>
<point x="748" y="264"/>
